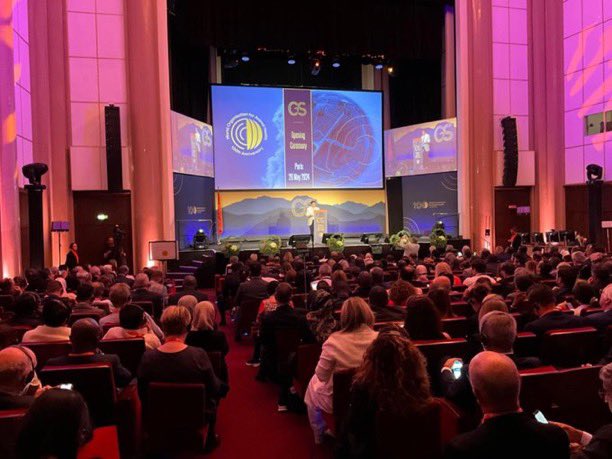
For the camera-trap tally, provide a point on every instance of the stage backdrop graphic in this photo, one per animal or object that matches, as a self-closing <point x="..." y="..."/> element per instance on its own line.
<point x="193" y="207"/>
<point x="192" y="146"/>
<point x="282" y="213"/>
<point x="428" y="199"/>
<point x="421" y="149"/>
<point x="280" y="138"/>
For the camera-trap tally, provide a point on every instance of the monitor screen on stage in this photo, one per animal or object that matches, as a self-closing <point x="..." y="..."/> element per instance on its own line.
<point x="192" y="146"/>
<point x="426" y="148"/>
<point x="292" y="138"/>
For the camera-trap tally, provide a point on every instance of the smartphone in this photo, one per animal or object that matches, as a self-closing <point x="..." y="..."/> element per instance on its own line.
<point x="66" y="386"/>
<point x="540" y="417"/>
<point x="456" y="368"/>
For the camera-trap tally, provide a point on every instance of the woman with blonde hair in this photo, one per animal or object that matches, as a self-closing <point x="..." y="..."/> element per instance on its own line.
<point x="391" y="379"/>
<point x="343" y="350"/>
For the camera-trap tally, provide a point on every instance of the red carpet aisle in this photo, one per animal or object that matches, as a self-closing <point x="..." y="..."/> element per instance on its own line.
<point x="249" y="425"/>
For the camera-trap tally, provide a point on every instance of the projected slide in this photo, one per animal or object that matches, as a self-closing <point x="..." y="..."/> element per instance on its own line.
<point x="192" y="146"/>
<point x="421" y="149"/>
<point x="280" y="138"/>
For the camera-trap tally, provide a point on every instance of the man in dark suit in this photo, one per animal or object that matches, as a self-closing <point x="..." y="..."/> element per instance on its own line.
<point x="379" y="303"/>
<point x="84" y="297"/>
<point x="550" y="318"/>
<point x="283" y="317"/>
<point x="189" y="288"/>
<point x="141" y="292"/>
<point x="85" y="336"/>
<point x="122" y="276"/>
<point x="505" y="432"/>
<point x="252" y="290"/>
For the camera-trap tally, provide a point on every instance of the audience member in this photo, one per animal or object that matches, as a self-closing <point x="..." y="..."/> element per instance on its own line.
<point x="479" y="268"/>
<point x="441" y="300"/>
<point x="26" y="310"/>
<point x="602" y="320"/>
<point x="18" y="381"/>
<point x="322" y="320"/>
<point x="141" y="292"/>
<point x="549" y="316"/>
<point x="383" y="311"/>
<point x="423" y="320"/>
<point x="133" y="324"/>
<point x="190" y="285"/>
<point x="84" y="298"/>
<point x="54" y="317"/>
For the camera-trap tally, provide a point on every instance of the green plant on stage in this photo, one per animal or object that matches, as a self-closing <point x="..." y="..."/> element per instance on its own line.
<point x="400" y="239"/>
<point x="232" y="247"/>
<point x="335" y="243"/>
<point x="270" y="246"/>
<point x="438" y="237"/>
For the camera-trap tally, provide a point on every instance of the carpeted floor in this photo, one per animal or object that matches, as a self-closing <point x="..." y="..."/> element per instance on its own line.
<point x="248" y="423"/>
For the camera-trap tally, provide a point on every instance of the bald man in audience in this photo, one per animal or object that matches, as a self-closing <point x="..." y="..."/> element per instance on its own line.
<point x="440" y="283"/>
<point x="18" y="381"/>
<point x="506" y="431"/>
<point x="85" y="337"/>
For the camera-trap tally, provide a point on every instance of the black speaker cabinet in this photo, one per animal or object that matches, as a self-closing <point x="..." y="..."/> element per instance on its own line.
<point x="510" y="151"/>
<point x="114" y="166"/>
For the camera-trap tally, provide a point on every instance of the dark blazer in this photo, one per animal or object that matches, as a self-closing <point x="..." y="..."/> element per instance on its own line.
<point x="82" y="308"/>
<point x="553" y="321"/>
<point x="174" y="299"/>
<point x="71" y="260"/>
<point x="510" y="436"/>
<point x="142" y="294"/>
<point x="600" y="320"/>
<point x="121" y="374"/>
<point x="600" y="446"/>
<point x="211" y="341"/>
<point x="254" y="289"/>
<point x="121" y="279"/>
<point x="389" y="314"/>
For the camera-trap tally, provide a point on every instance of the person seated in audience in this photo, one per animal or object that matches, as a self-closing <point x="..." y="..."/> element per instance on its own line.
<point x="364" y="284"/>
<point x="100" y="297"/>
<point x="120" y="296"/>
<point x="441" y="300"/>
<point x="322" y="320"/>
<point x="442" y="270"/>
<point x="18" y="381"/>
<point x="522" y="283"/>
<point x="85" y="337"/>
<point x="545" y="269"/>
<point x="505" y="286"/>
<point x="479" y="269"/>
<point x="156" y="284"/>
<point x="283" y="318"/>
<point x="325" y="271"/>
<point x="566" y="279"/>
<point x="601" y="320"/>
<point x="442" y="282"/>
<point x="189" y="302"/>
<point x="204" y="334"/>
<point x="340" y="291"/>
<point x="55" y="316"/>
<point x="392" y="379"/>
<point x="270" y="304"/>
<point x="383" y="311"/>
<point x="378" y="277"/>
<point x="313" y="296"/>
<point x="600" y="276"/>
<point x="26" y="308"/>
<point x="422" y="320"/>
<point x="492" y="303"/>
<point x="176" y="362"/>
<point x="141" y="292"/>
<point x="189" y="288"/>
<point x="583" y="296"/>
<point x="343" y="349"/>
<point x="123" y="276"/>
<point x="303" y="277"/>
<point x="476" y="293"/>
<point x="597" y="445"/>
<point x="133" y="324"/>
<point x="506" y="431"/>
<point x="234" y="277"/>
<point x="8" y="287"/>
<point x="549" y="316"/>
<point x="254" y="289"/>
<point x="84" y="298"/>
<point x="400" y="291"/>
<point x="420" y="276"/>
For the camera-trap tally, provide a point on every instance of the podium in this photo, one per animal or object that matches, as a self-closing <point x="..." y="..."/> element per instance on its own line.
<point x="320" y="224"/>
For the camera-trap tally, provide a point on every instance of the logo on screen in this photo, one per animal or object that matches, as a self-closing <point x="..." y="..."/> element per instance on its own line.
<point x="444" y="132"/>
<point x="246" y="131"/>
<point x="296" y="108"/>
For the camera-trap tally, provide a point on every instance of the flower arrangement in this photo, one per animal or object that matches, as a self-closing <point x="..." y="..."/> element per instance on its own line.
<point x="270" y="246"/>
<point x="438" y="237"/>
<point x="232" y="247"/>
<point x="336" y="243"/>
<point x="401" y="239"/>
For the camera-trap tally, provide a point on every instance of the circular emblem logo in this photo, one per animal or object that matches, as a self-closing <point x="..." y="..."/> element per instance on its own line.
<point x="299" y="205"/>
<point x="246" y="132"/>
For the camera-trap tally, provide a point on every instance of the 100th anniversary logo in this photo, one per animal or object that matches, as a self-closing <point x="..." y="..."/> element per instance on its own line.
<point x="246" y="132"/>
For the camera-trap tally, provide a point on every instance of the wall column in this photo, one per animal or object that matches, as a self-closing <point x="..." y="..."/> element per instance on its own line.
<point x="149" y="98"/>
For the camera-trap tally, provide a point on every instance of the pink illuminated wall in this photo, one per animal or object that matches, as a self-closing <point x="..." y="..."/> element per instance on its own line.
<point x="511" y="80"/>
<point x="587" y="43"/>
<point x="97" y="77"/>
<point x="23" y="95"/>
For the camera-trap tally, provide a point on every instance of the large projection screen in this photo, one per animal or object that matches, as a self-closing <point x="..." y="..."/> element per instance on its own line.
<point x="293" y="138"/>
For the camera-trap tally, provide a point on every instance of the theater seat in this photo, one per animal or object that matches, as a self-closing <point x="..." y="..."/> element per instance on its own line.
<point x="462" y="308"/>
<point x="174" y="417"/>
<point x="82" y="315"/>
<point x="248" y="314"/>
<point x="436" y="352"/>
<point x="569" y="348"/>
<point x="380" y="325"/>
<point x="104" y="444"/>
<point x="94" y="381"/>
<point x="147" y="306"/>
<point x="307" y="357"/>
<point x="10" y="424"/>
<point x="129" y="351"/>
<point x="12" y="334"/>
<point x="421" y="435"/>
<point x="341" y="398"/>
<point x="526" y="344"/>
<point x="457" y="327"/>
<point x="45" y="351"/>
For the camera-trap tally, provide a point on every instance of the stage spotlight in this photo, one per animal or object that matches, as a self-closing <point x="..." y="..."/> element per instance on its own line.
<point x="336" y="63"/>
<point x="34" y="172"/>
<point x="315" y="66"/>
<point x="378" y="66"/>
<point x="245" y="57"/>
<point x="594" y="173"/>
<point x="200" y="241"/>
<point x="291" y="60"/>
<point x="390" y="70"/>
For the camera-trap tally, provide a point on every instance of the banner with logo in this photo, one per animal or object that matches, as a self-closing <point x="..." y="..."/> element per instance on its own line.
<point x="192" y="146"/>
<point x="281" y="138"/>
<point x="430" y="198"/>
<point x="194" y="198"/>
<point x="283" y="213"/>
